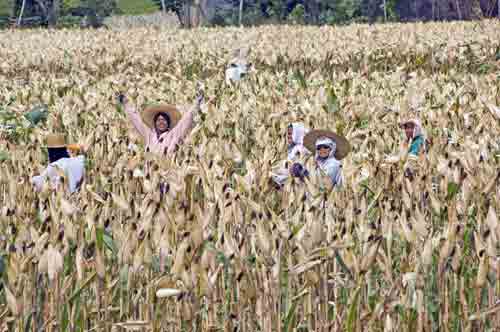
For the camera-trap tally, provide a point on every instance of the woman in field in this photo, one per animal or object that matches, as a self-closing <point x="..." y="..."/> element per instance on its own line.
<point x="162" y="127"/>
<point x="330" y="149"/>
<point x="295" y="139"/>
<point x="414" y="136"/>
<point x="416" y="142"/>
<point x="61" y="163"/>
<point x="413" y="147"/>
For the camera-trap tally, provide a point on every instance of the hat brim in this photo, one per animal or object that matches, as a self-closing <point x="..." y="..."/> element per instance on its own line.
<point x="343" y="146"/>
<point x="55" y="141"/>
<point x="404" y="123"/>
<point x="150" y="113"/>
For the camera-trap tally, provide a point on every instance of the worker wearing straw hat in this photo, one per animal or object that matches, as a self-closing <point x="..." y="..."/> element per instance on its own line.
<point x="295" y="139"/>
<point x="163" y="126"/>
<point x="61" y="163"/>
<point x="330" y="149"/>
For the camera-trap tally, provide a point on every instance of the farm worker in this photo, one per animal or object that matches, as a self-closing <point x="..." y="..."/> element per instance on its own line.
<point x="238" y="67"/>
<point x="295" y="139"/>
<point x="414" y="146"/>
<point x="162" y="127"/>
<point x="417" y="145"/>
<point x="62" y="163"/>
<point x="414" y="136"/>
<point x="330" y="149"/>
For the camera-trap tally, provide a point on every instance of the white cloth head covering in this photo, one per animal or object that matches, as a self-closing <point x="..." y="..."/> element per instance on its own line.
<point x="417" y="130"/>
<point x="330" y="143"/>
<point x="298" y="133"/>
<point x="297" y="146"/>
<point x="329" y="165"/>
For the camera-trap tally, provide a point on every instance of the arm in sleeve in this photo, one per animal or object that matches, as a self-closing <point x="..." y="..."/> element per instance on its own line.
<point x="50" y="174"/>
<point x="38" y="180"/>
<point x="180" y="131"/>
<point x="415" y="146"/>
<point x="75" y="170"/>
<point x="335" y="175"/>
<point x="136" y="120"/>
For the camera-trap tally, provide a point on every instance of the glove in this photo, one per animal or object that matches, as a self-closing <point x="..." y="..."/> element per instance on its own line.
<point x="121" y="98"/>
<point x="299" y="171"/>
<point x="200" y="95"/>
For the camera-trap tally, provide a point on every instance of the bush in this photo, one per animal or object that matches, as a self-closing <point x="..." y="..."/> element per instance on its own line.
<point x="297" y="15"/>
<point x="69" y="21"/>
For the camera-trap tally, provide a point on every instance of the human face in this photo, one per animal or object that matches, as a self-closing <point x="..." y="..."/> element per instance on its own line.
<point x="409" y="129"/>
<point x="161" y="124"/>
<point x="323" y="151"/>
<point x="289" y="135"/>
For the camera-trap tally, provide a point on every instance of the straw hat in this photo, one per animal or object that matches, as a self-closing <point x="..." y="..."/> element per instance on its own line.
<point x="56" y="141"/>
<point x="149" y="114"/>
<point x="343" y="146"/>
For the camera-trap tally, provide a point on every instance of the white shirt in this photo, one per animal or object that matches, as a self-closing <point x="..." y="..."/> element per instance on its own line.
<point x="332" y="168"/>
<point x="73" y="168"/>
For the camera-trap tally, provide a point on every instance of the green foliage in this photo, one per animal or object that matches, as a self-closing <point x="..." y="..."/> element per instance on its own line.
<point x="6" y="7"/>
<point x="340" y="11"/>
<point x="134" y="7"/>
<point x="4" y="156"/>
<point x="392" y="14"/>
<point x="37" y="114"/>
<point x="298" y="14"/>
<point x="68" y="4"/>
<point x="14" y="128"/>
<point x="453" y="189"/>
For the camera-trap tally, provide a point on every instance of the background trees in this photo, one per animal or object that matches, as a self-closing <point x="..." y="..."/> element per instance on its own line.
<point x="227" y="12"/>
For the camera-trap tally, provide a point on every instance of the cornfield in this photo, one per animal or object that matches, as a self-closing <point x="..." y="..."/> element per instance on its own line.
<point x="223" y="250"/>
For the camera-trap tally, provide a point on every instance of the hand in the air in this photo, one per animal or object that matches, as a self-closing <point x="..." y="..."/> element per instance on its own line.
<point x="199" y="99"/>
<point x="122" y="99"/>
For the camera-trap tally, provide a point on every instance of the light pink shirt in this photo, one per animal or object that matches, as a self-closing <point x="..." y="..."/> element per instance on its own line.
<point x="168" y="140"/>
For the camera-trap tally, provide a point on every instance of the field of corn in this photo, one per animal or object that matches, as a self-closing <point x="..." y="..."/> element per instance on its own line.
<point x="224" y="250"/>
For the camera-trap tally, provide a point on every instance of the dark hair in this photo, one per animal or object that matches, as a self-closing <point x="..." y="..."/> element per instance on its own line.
<point x="57" y="153"/>
<point x="164" y="115"/>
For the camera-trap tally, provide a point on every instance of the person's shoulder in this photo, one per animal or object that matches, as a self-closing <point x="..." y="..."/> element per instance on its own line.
<point x="71" y="161"/>
<point x="334" y="161"/>
<point x="419" y="139"/>
<point x="305" y="150"/>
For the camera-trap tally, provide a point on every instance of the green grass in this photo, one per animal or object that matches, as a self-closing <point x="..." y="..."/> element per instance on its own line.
<point x="137" y="7"/>
<point x="5" y="7"/>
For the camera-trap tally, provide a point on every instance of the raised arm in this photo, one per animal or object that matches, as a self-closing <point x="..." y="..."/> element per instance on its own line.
<point x="134" y="116"/>
<point x="181" y="130"/>
<point x="184" y="126"/>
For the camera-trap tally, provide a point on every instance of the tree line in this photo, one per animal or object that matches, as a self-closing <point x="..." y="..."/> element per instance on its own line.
<point x="253" y="12"/>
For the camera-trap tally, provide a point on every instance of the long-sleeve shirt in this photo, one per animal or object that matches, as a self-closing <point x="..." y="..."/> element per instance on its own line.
<point x="416" y="145"/>
<point x="167" y="141"/>
<point x="73" y="168"/>
<point x="331" y="168"/>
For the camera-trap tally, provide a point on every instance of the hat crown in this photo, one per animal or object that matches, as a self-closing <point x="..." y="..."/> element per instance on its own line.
<point x="150" y="113"/>
<point x="56" y="141"/>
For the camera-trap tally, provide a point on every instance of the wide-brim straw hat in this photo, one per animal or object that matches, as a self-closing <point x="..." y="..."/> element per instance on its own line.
<point x="343" y="146"/>
<point x="56" y="141"/>
<point x="149" y="114"/>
